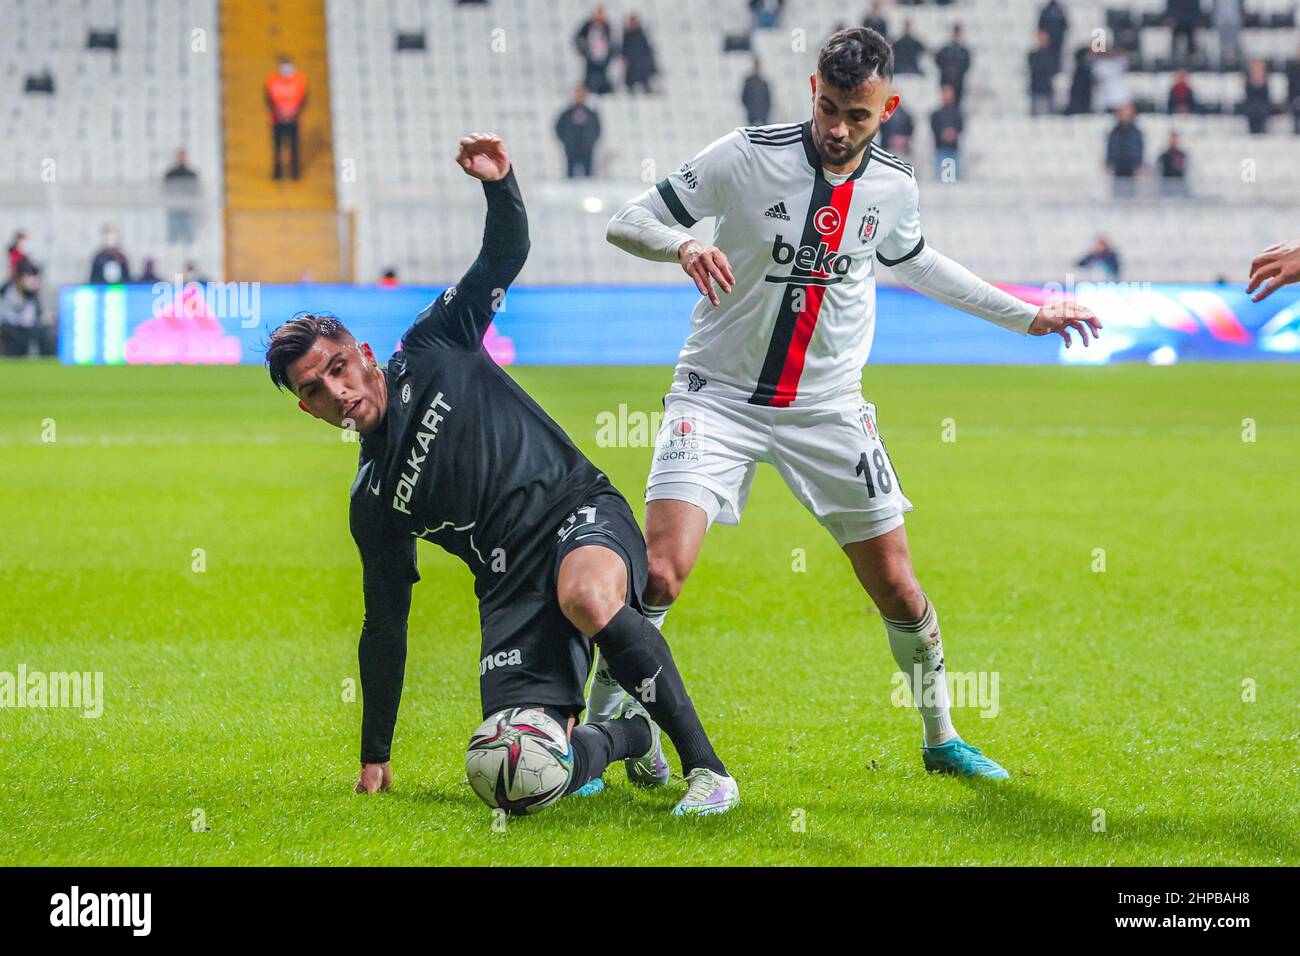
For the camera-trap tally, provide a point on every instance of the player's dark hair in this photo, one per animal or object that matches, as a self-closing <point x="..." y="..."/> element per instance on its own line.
<point x="291" y="341"/>
<point x="854" y="55"/>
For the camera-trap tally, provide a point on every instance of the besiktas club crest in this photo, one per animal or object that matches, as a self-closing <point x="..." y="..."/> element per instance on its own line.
<point x="867" y="228"/>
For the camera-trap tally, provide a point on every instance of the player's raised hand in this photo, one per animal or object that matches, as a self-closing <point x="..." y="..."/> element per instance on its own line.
<point x="1061" y="315"/>
<point x="374" y="776"/>
<point x="706" y="265"/>
<point x="1279" y="264"/>
<point x="483" y="156"/>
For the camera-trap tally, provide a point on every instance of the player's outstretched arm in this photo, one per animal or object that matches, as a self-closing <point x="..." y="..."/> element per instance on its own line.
<point x="951" y="283"/>
<point x="461" y="315"/>
<point x="1276" y="266"/>
<point x="381" y="653"/>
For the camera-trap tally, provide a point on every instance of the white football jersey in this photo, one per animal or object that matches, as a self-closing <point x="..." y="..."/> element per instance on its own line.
<point x="797" y="326"/>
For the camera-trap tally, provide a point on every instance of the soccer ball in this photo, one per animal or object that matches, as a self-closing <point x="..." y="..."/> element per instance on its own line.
<point x="519" y="761"/>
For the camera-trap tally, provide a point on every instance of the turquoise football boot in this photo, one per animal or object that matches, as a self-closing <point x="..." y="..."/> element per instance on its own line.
<point x="961" y="759"/>
<point x="589" y="789"/>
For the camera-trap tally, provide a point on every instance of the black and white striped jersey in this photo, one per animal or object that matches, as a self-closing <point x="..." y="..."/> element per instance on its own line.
<point x="798" y="325"/>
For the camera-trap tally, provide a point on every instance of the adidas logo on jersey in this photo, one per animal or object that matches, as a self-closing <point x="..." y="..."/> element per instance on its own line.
<point x="777" y="211"/>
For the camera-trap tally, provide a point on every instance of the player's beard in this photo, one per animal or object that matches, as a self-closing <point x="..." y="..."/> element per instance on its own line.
<point x="830" y="160"/>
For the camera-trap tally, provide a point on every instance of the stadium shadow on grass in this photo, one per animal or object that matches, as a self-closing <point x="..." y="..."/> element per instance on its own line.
<point x="1017" y="812"/>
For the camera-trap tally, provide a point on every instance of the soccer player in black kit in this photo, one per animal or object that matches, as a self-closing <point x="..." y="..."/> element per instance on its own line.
<point x="453" y="451"/>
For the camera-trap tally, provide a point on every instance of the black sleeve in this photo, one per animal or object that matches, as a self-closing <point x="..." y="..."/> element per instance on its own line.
<point x="460" y="316"/>
<point x="387" y="576"/>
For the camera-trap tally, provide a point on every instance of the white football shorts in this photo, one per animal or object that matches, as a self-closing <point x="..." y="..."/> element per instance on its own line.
<point x="830" y="455"/>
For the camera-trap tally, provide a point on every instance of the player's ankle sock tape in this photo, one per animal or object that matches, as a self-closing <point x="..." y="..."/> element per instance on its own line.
<point x="593" y="749"/>
<point x="639" y="658"/>
<point x="918" y="648"/>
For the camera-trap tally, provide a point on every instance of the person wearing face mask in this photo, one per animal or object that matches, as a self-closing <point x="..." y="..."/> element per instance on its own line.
<point x="20" y="311"/>
<point x="286" y="97"/>
<point x="109" y="266"/>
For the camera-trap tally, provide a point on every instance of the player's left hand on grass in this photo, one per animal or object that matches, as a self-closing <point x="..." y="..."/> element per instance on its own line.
<point x="374" y="776"/>
<point x="1279" y="264"/>
<point x="483" y="156"/>
<point x="1061" y="315"/>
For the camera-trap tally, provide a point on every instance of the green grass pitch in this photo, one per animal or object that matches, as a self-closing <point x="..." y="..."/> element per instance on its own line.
<point x="1147" y="712"/>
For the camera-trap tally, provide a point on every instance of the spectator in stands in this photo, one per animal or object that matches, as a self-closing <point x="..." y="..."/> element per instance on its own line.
<point x="1228" y="19"/>
<point x="953" y="61"/>
<point x="946" y="125"/>
<point x="17" y="252"/>
<point x="1257" y="105"/>
<point x="898" y="132"/>
<point x="596" y="46"/>
<point x="907" y="52"/>
<point x="1173" y="168"/>
<point x="875" y="20"/>
<point x="1183" y="17"/>
<point x="1042" y="68"/>
<point x="109" y="267"/>
<point x="389" y="279"/>
<point x="1081" y="84"/>
<point x="181" y="189"/>
<point x="638" y="56"/>
<point x="148" y="276"/>
<point x="1053" y="21"/>
<point x="578" y="128"/>
<point x="1182" y="99"/>
<point x="1124" y="150"/>
<point x="1101" y="259"/>
<point x="1293" y="90"/>
<point x="20" y="312"/>
<point x="767" y="13"/>
<point x="286" y="98"/>
<point x="756" y="96"/>
<point x="1111" y="71"/>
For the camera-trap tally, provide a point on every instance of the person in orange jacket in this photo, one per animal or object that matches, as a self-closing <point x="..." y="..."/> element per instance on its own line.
<point x="286" y="96"/>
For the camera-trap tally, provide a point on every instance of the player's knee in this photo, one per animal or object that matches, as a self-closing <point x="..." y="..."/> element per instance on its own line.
<point x="589" y="605"/>
<point x="664" y="581"/>
<point x="901" y="598"/>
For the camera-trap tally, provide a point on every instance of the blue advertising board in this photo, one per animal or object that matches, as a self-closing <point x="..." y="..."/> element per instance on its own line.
<point x="228" y="323"/>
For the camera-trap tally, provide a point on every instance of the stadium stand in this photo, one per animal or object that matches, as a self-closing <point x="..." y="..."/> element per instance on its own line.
<point x="1034" y="191"/>
<point x="395" y="82"/>
<point x="95" y="149"/>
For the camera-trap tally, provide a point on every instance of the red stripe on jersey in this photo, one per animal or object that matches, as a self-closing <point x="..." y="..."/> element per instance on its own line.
<point x="788" y="384"/>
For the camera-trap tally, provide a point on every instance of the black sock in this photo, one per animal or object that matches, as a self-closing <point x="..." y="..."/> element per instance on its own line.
<point x="596" y="746"/>
<point x="639" y="658"/>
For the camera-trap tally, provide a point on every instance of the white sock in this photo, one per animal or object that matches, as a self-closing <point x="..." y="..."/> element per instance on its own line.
<point x="918" y="649"/>
<point x="655" y="614"/>
<point x="605" y="699"/>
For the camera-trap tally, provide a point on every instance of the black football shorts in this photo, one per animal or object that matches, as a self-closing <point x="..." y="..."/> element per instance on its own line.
<point x="531" y="654"/>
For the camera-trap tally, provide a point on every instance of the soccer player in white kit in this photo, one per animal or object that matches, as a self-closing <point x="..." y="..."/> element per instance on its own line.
<point x="772" y="369"/>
